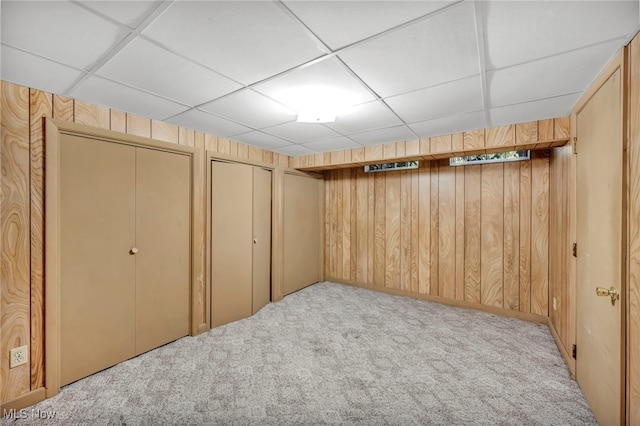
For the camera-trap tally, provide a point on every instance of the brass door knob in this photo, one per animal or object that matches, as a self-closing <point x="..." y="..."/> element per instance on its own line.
<point x="611" y="292"/>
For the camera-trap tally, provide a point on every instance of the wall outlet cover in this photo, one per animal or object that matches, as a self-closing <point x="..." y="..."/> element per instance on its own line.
<point x="19" y="356"/>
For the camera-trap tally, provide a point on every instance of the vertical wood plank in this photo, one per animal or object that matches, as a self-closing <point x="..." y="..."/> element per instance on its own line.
<point x="492" y="222"/>
<point x="15" y="257"/>
<point x="457" y="142"/>
<point x="561" y="127"/>
<point x="526" y="132"/>
<point x="353" y="255"/>
<point x="379" y="252"/>
<point x="389" y="151"/>
<point x="473" y="140"/>
<point x="373" y="153"/>
<point x="511" y="236"/>
<point x="362" y="209"/>
<point x="447" y="231"/>
<point x="435" y="229"/>
<point x="118" y="121"/>
<point x="92" y="115"/>
<point x="503" y="136"/>
<point x="62" y="108"/>
<point x="233" y="148"/>
<point x="405" y="230"/>
<point x="545" y="130"/>
<point x="41" y="105"/>
<point x="460" y="232"/>
<point x="138" y="126"/>
<point x="210" y="143"/>
<point x="424" y="226"/>
<point x="415" y="230"/>
<point x="525" y="236"/>
<point x="333" y="224"/>
<point x="392" y="230"/>
<point x="424" y="146"/>
<point x="412" y="148"/>
<point x="472" y="215"/>
<point x="243" y="151"/>
<point x="163" y="131"/>
<point x="224" y="146"/>
<point x="187" y="137"/>
<point x="371" y="227"/>
<point x="345" y="219"/>
<point x="254" y="154"/>
<point x="540" y="236"/>
<point x="267" y="156"/>
<point x="440" y="144"/>
<point x="339" y="223"/>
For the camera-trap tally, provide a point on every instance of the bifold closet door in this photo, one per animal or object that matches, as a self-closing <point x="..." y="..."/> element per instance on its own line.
<point x="261" y="238"/>
<point x="231" y="242"/>
<point x="301" y="231"/>
<point x="97" y="271"/>
<point x="163" y="227"/>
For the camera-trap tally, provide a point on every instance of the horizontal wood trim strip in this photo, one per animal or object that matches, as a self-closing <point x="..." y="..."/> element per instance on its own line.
<point x="451" y="302"/>
<point x="534" y="146"/>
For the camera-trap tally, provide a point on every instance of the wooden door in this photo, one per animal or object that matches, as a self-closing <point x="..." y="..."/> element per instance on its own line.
<point x="301" y="232"/>
<point x="231" y="241"/>
<point x="599" y="363"/>
<point x="261" y="281"/>
<point x="163" y="260"/>
<point x="97" y="273"/>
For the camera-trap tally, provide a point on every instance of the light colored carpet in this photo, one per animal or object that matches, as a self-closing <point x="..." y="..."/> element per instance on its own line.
<point x="333" y="354"/>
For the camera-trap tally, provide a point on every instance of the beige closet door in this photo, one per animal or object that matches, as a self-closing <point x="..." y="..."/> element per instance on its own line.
<point x="231" y="242"/>
<point x="97" y="228"/>
<point x="163" y="258"/>
<point x="600" y="356"/>
<point x="261" y="238"/>
<point x="301" y="232"/>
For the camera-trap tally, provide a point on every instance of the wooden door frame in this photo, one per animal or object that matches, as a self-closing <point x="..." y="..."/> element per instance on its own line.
<point x="322" y="219"/>
<point x="53" y="130"/>
<point x="617" y="63"/>
<point x="276" y="227"/>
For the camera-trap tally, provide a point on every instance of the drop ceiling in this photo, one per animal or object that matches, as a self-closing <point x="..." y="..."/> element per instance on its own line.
<point x="413" y="68"/>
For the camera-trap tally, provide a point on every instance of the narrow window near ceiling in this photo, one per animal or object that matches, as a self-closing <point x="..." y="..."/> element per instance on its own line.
<point x="495" y="157"/>
<point x="385" y="167"/>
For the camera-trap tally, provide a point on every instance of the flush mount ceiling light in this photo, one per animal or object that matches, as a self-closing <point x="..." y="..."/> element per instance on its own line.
<point x="317" y="104"/>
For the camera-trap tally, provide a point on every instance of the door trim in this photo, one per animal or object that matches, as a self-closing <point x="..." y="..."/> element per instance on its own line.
<point x="53" y="129"/>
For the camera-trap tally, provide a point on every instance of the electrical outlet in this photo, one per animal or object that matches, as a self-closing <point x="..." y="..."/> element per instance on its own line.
<point x="19" y="356"/>
<point x="554" y="304"/>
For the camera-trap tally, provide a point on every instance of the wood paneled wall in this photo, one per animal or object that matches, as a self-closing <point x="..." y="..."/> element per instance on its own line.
<point x="22" y="212"/>
<point x="478" y="234"/>
<point x="633" y="235"/>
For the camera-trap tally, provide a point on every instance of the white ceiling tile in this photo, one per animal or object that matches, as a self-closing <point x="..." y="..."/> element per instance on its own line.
<point x="446" y="99"/>
<point x="250" y="108"/>
<point x="295" y="150"/>
<point x="338" y="23"/>
<point x="205" y="122"/>
<point x="144" y="65"/>
<point x="32" y="71"/>
<point x="332" y="144"/>
<point x="130" y="13"/>
<point x="449" y="125"/>
<point x="536" y="110"/>
<point x="260" y="139"/>
<point x="390" y="134"/>
<point x="518" y="31"/>
<point x="556" y="75"/>
<point x="247" y="41"/>
<point x="327" y="73"/>
<point x="439" y="49"/>
<point x="58" y="30"/>
<point x="301" y="132"/>
<point x="369" y="116"/>
<point x="104" y="92"/>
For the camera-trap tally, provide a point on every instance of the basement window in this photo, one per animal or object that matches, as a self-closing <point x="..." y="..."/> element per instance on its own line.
<point x="495" y="157"/>
<point x="386" y="167"/>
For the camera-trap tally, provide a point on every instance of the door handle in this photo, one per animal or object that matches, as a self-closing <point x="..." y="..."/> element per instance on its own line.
<point x="255" y="241"/>
<point x="611" y="292"/>
<point x="134" y="250"/>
